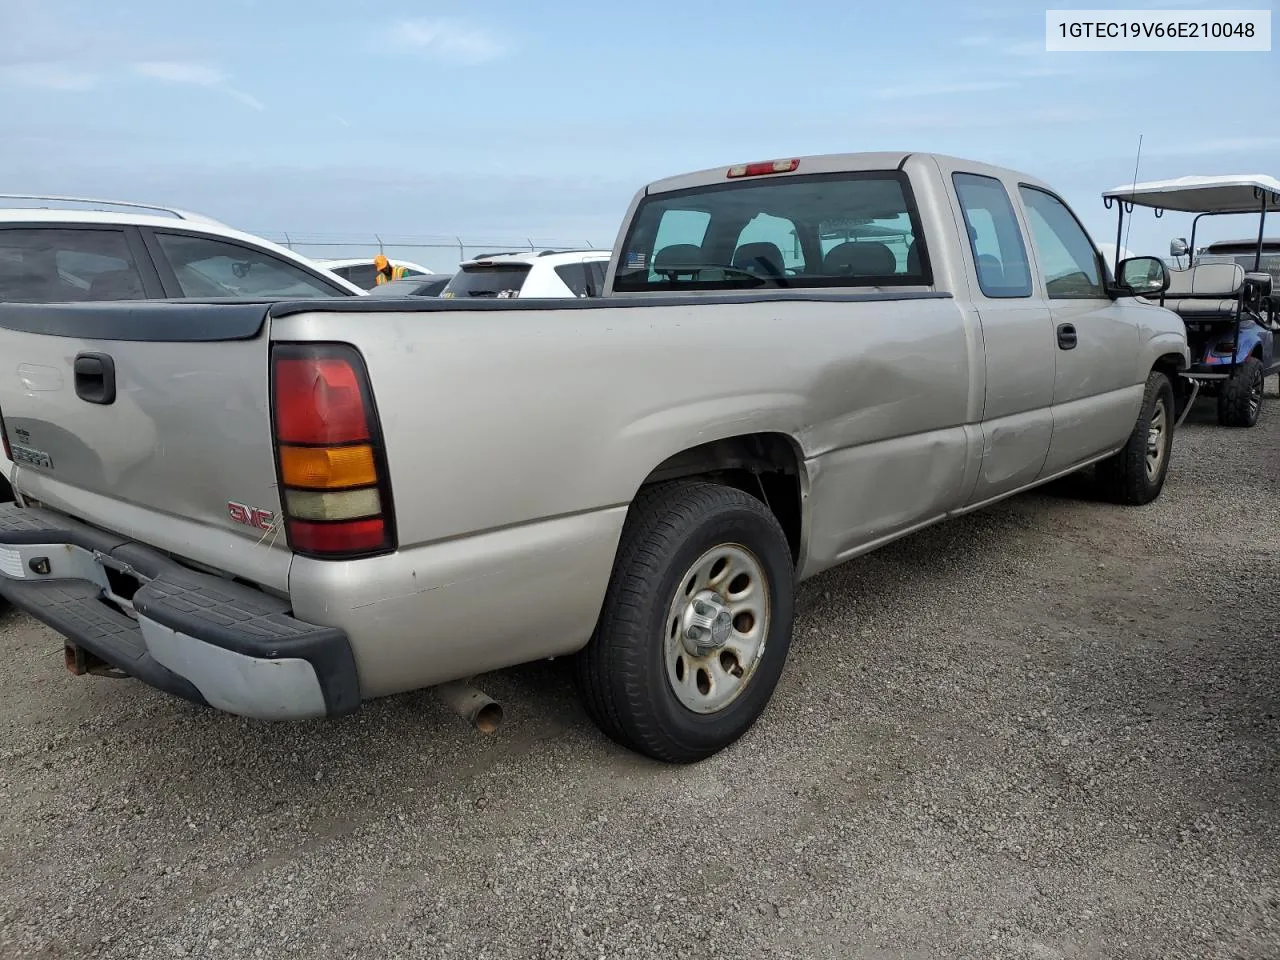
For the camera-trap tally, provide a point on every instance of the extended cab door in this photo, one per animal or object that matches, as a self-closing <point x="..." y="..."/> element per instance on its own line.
<point x="1017" y="419"/>
<point x="1096" y="342"/>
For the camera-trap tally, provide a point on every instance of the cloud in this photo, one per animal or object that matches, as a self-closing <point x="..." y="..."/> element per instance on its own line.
<point x="194" y="74"/>
<point x="50" y="75"/>
<point x="940" y="89"/>
<point x="448" y="40"/>
<point x="181" y="71"/>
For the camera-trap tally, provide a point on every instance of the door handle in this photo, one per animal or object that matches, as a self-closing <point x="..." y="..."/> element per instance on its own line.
<point x="1067" y="336"/>
<point x="95" y="375"/>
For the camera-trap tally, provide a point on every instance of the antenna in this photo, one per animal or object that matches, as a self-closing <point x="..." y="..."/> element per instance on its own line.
<point x="1133" y="190"/>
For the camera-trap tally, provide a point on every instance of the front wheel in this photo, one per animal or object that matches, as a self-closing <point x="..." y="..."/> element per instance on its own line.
<point x="696" y="623"/>
<point x="1137" y="473"/>
<point x="1240" y="401"/>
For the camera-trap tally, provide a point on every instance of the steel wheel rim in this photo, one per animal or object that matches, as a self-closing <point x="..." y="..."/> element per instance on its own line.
<point x="1156" y="431"/>
<point x="710" y="660"/>
<point x="1255" y="396"/>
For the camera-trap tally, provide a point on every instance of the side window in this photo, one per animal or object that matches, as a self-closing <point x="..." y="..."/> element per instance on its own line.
<point x="206" y="267"/>
<point x="1068" y="259"/>
<point x="994" y="236"/>
<point x="42" y="265"/>
<point x="574" y="276"/>
<point x="363" y="275"/>
<point x="596" y="270"/>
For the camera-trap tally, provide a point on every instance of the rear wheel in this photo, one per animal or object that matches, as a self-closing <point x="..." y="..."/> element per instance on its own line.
<point x="1137" y="473"/>
<point x="696" y="623"/>
<point x="1240" y="401"/>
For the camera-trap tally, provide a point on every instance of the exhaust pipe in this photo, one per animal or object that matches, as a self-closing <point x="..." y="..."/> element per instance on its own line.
<point x="472" y="705"/>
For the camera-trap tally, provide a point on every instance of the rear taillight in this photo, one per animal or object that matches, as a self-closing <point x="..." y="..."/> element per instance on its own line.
<point x="329" y="456"/>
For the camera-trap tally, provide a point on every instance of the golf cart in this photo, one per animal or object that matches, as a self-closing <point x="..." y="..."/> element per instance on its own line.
<point x="1231" y="309"/>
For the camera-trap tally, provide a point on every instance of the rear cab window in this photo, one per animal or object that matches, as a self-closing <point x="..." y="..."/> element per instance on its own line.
<point x="856" y="229"/>
<point x="499" y="280"/>
<point x="60" y="264"/>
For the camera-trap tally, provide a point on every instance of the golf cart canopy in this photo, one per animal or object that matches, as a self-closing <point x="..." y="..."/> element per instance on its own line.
<point x="1242" y="193"/>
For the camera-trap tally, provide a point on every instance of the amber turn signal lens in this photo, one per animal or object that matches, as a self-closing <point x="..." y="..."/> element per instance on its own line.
<point x="327" y="468"/>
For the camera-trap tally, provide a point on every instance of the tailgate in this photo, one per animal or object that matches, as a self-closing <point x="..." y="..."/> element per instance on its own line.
<point x="151" y="420"/>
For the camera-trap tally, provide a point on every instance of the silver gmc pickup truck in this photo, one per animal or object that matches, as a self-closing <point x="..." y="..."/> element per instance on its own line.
<point x="281" y="509"/>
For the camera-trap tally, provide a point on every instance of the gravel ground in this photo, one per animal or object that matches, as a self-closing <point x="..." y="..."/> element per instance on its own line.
<point x="1046" y="731"/>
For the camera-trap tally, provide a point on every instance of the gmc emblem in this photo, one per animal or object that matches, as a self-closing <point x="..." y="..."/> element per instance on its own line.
<point x="250" y="516"/>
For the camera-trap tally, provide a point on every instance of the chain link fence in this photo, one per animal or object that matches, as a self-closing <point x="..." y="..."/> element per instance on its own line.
<point x="435" y="252"/>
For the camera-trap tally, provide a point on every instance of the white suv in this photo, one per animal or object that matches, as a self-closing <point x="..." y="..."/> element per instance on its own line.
<point x="551" y="273"/>
<point x="50" y="255"/>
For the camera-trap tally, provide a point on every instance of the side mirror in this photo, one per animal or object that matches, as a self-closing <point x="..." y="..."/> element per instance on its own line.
<point x="1178" y="248"/>
<point x="1142" y="277"/>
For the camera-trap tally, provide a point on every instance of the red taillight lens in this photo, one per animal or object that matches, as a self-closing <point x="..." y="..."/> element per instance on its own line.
<point x="356" y="536"/>
<point x="329" y="455"/>
<point x="319" y="401"/>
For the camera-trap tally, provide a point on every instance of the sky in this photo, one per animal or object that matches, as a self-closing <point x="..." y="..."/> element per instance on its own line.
<point x="495" y="121"/>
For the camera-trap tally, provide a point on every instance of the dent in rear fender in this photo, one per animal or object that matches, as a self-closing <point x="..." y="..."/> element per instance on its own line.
<point x="460" y="607"/>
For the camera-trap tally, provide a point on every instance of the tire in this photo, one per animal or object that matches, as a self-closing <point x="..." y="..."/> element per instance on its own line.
<point x="1240" y="401"/>
<point x="1135" y="475"/>
<point x="675" y="535"/>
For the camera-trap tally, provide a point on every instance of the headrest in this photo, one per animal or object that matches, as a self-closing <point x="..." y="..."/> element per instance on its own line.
<point x="990" y="270"/>
<point x="860" y="258"/>
<point x="19" y="280"/>
<point x="678" y="256"/>
<point x="1206" y="280"/>
<point x="762" y="256"/>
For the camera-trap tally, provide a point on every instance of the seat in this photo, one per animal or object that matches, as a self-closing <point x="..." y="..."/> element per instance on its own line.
<point x="860" y="258"/>
<point x="990" y="272"/>
<point x="679" y="258"/>
<point x="117" y="285"/>
<point x="22" y="284"/>
<point x="913" y="259"/>
<point x="1207" y="291"/>
<point x="760" y="257"/>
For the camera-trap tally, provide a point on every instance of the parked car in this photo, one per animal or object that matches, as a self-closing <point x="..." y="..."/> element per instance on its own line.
<point x="353" y="498"/>
<point x="140" y="251"/>
<point x="362" y="272"/>
<point x="428" y="285"/>
<point x="550" y="273"/>
<point x="143" y="252"/>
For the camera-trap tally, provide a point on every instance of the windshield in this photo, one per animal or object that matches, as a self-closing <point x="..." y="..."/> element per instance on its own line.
<point x="823" y="230"/>
<point x="487" y="280"/>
